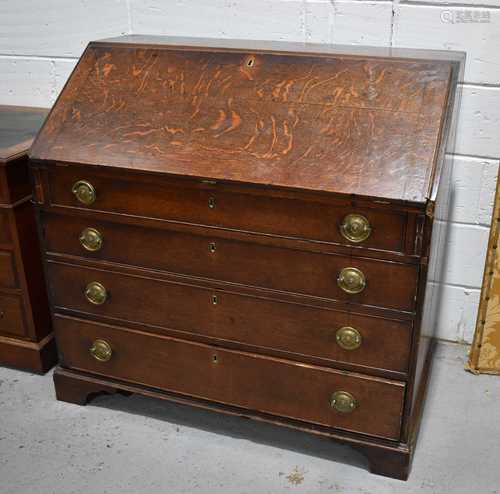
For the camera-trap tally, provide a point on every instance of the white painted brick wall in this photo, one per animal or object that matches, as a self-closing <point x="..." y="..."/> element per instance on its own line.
<point x="58" y="28"/>
<point x="441" y="27"/>
<point x="479" y="121"/>
<point x="40" y="43"/>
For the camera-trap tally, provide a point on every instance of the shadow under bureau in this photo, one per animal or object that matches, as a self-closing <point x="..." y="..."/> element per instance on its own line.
<point x="247" y="228"/>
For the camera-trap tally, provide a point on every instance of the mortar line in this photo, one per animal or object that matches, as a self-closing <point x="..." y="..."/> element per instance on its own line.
<point x="475" y="157"/>
<point x="49" y="58"/>
<point x="449" y="5"/>
<point x="469" y="288"/>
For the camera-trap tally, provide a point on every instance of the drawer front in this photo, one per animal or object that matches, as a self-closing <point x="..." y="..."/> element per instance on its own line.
<point x="11" y="315"/>
<point x="192" y="203"/>
<point x="259" y="322"/>
<point x="5" y="237"/>
<point x="388" y="284"/>
<point x="8" y="278"/>
<point x="254" y="382"/>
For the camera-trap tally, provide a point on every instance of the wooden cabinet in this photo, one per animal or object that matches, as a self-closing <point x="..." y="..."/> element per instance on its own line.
<point x="26" y="338"/>
<point x="249" y="230"/>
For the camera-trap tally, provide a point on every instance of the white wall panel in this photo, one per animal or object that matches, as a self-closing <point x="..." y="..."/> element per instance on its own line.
<point x="363" y="23"/>
<point x="26" y="82"/>
<point x="456" y="312"/>
<point x="465" y="254"/>
<point x="441" y="27"/>
<point x="479" y="122"/>
<point x="258" y="19"/>
<point x="60" y="28"/>
<point x="343" y="22"/>
<point x="473" y="184"/>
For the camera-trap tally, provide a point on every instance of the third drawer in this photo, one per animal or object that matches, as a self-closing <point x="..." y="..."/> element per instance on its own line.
<point x="295" y="329"/>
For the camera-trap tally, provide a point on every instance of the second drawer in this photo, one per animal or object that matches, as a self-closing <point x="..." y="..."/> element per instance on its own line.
<point x="323" y="334"/>
<point x="390" y="285"/>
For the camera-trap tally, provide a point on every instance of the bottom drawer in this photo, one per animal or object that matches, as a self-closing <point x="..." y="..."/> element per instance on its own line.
<point x="255" y="382"/>
<point x="11" y="315"/>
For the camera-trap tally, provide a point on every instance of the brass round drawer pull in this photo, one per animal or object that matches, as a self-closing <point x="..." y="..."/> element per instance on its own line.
<point x="95" y="293"/>
<point x="343" y="402"/>
<point x="355" y="228"/>
<point x="101" y="350"/>
<point x="348" y="338"/>
<point x="84" y="192"/>
<point x="91" y="239"/>
<point x="351" y="280"/>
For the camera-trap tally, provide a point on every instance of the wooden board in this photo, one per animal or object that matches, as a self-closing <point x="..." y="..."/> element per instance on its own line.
<point x="320" y="122"/>
<point x="485" y="352"/>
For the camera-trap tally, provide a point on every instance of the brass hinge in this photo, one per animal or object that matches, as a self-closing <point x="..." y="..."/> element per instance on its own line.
<point x="429" y="209"/>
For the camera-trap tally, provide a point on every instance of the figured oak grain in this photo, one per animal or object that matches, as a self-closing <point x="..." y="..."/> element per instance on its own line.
<point x="333" y="124"/>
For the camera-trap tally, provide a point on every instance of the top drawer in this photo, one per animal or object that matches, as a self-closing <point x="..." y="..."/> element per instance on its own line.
<point x="198" y="203"/>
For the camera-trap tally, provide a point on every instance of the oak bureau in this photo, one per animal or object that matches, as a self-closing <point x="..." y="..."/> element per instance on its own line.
<point x="247" y="227"/>
<point x="26" y="338"/>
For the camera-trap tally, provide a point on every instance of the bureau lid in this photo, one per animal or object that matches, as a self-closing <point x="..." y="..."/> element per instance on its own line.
<point x="18" y="127"/>
<point x="369" y="125"/>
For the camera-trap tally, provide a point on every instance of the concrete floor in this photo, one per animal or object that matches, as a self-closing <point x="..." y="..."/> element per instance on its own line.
<point x="140" y="445"/>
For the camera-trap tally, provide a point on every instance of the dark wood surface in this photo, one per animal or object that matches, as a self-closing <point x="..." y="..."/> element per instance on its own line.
<point x="276" y="386"/>
<point x="18" y="128"/>
<point x="251" y="210"/>
<point x="322" y="123"/>
<point x="258" y="322"/>
<point x="26" y="338"/>
<point x="385" y="457"/>
<point x="390" y="285"/>
<point x="222" y="177"/>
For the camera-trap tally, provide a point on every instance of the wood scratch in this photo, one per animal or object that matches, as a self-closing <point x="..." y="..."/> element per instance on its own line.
<point x="288" y="135"/>
<point x="218" y="123"/>
<point x="140" y="133"/>
<point x="173" y="130"/>
<point x="235" y="123"/>
<point x="274" y="139"/>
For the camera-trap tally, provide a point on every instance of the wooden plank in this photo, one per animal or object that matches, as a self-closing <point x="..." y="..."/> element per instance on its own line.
<point x="485" y="352"/>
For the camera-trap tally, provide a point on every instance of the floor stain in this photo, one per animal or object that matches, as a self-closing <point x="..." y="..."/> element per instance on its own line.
<point x="296" y="477"/>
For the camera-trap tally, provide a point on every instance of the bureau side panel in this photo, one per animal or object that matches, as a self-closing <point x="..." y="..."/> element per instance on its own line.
<point x="434" y="233"/>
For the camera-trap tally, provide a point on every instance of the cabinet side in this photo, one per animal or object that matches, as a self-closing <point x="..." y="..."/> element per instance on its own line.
<point x="435" y="233"/>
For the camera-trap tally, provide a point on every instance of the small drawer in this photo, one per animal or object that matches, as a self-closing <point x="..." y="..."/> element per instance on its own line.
<point x="11" y="315"/>
<point x="318" y="395"/>
<point x="389" y="285"/>
<point x="8" y="278"/>
<point x="328" y="336"/>
<point x="192" y="202"/>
